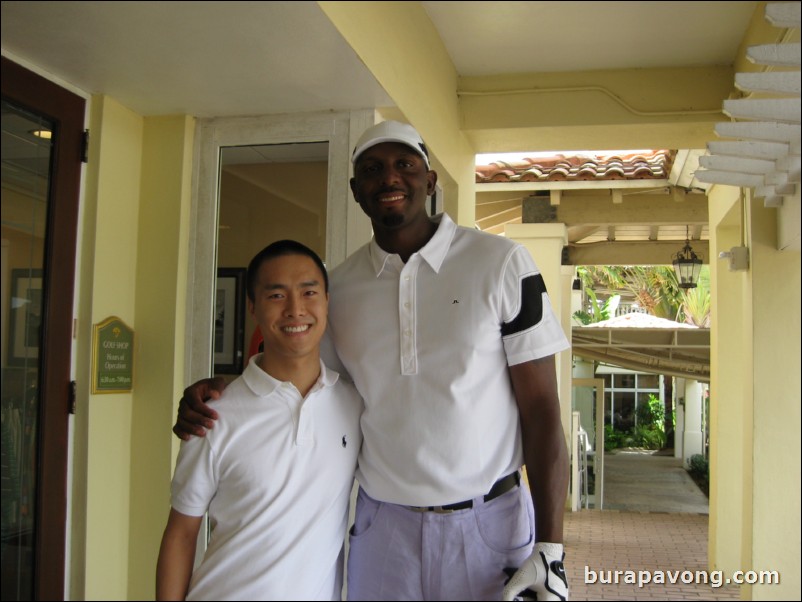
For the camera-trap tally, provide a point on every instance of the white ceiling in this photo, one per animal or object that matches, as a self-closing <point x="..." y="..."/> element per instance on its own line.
<point x="488" y="38"/>
<point x="242" y="58"/>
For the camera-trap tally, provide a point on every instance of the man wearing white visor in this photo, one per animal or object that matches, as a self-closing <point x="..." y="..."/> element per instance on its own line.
<point x="449" y="336"/>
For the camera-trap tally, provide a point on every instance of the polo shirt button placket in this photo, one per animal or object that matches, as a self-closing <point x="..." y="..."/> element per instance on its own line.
<point x="302" y="409"/>
<point x="406" y="294"/>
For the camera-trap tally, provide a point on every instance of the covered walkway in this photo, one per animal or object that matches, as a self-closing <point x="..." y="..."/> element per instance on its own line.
<point x="655" y="520"/>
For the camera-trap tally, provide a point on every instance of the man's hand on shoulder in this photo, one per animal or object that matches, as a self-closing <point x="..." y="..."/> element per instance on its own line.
<point x="194" y="415"/>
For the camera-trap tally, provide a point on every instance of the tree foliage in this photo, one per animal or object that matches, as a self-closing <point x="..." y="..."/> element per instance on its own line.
<point x="654" y="288"/>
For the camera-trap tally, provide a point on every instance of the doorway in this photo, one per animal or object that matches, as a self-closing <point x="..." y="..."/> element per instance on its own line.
<point x="344" y="229"/>
<point x="267" y="193"/>
<point x="42" y="134"/>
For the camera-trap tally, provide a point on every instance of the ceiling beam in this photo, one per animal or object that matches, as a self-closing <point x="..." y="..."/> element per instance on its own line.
<point x="739" y="164"/>
<point x="783" y="14"/>
<point x="785" y="110"/>
<point x="485" y="209"/>
<point x="775" y="55"/>
<point x="631" y="253"/>
<point x="598" y="210"/>
<point x="501" y="218"/>
<point x="603" y="109"/>
<point x="782" y="82"/>
<point x="749" y="149"/>
<point x="759" y="130"/>
<point x="524" y="187"/>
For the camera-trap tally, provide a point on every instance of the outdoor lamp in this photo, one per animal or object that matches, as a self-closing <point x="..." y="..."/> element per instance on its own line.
<point x="687" y="265"/>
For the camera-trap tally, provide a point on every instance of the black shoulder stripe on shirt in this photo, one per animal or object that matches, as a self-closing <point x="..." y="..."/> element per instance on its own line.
<point x="531" y="311"/>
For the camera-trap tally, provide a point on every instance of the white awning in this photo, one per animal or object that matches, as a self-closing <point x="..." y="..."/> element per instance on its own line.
<point x="646" y="344"/>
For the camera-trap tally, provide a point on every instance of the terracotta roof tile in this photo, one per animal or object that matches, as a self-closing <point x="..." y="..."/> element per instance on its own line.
<point x="654" y="165"/>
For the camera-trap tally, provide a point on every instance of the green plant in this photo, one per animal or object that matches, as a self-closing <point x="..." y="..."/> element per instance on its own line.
<point x="603" y="311"/>
<point x="652" y="413"/>
<point x="647" y="437"/>
<point x="648" y="433"/>
<point x="699" y="469"/>
<point x="613" y="438"/>
<point x="696" y="306"/>
<point x="656" y="290"/>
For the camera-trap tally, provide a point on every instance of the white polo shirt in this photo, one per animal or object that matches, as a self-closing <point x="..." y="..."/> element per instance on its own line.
<point x="428" y="344"/>
<point x="275" y="474"/>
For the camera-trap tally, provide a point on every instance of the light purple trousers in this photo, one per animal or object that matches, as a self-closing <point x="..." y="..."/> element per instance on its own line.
<point x="398" y="554"/>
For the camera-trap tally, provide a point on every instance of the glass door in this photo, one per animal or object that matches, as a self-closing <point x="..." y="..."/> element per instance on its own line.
<point x="41" y="167"/>
<point x="25" y="183"/>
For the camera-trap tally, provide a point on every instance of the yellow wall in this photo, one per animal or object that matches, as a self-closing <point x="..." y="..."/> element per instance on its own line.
<point x="730" y="396"/>
<point x="132" y="264"/>
<point x="107" y="286"/>
<point x="775" y="279"/>
<point x="627" y="108"/>
<point x="401" y="47"/>
<point x="161" y="289"/>
<point x="755" y="399"/>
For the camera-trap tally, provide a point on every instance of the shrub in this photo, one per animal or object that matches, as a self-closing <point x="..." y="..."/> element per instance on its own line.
<point x="699" y="469"/>
<point x="613" y="439"/>
<point x="652" y="413"/>
<point x="648" y="437"/>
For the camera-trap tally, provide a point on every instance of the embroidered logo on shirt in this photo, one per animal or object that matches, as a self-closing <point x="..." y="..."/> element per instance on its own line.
<point x="455" y="302"/>
<point x="344" y="441"/>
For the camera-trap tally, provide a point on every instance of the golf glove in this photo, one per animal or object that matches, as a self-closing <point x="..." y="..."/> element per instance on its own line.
<point x="541" y="577"/>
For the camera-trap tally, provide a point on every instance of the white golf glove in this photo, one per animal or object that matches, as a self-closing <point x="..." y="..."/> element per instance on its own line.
<point x="541" y="576"/>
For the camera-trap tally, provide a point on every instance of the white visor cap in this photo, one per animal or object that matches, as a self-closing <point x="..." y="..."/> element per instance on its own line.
<point x="391" y="131"/>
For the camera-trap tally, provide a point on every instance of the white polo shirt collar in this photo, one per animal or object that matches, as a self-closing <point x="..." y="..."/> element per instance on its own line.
<point x="433" y="253"/>
<point x="264" y="385"/>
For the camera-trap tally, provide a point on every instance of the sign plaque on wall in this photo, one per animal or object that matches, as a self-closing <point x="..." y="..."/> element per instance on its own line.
<point x="112" y="357"/>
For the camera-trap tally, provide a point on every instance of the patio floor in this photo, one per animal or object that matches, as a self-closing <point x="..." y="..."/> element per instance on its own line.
<point x="655" y="519"/>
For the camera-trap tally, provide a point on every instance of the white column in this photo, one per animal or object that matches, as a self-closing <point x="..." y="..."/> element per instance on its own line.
<point x="575" y="462"/>
<point x="679" y="429"/>
<point x="693" y="438"/>
<point x="545" y="243"/>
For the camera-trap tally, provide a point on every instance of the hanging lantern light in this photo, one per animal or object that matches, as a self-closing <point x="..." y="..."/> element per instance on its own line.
<point x="687" y="265"/>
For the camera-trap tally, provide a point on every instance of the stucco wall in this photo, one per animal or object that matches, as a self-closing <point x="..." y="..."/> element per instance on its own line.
<point x="132" y="265"/>
<point x="755" y="395"/>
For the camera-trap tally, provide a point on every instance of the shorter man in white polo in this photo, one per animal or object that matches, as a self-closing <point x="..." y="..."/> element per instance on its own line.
<point x="276" y="473"/>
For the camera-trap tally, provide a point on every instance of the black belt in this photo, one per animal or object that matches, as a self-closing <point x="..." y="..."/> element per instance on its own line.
<point x="500" y="487"/>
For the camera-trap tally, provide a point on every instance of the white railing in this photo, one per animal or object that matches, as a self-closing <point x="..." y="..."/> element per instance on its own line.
<point x="629" y="308"/>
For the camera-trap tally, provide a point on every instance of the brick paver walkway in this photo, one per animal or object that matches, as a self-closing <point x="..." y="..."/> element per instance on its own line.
<point x="601" y="541"/>
<point x="657" y="522"/>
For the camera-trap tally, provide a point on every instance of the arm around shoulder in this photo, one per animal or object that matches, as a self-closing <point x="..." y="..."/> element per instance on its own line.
<point x="194" y="415"/>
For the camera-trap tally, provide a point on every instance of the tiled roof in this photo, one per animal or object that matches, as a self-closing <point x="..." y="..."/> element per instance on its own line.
<point x="648" y="165"/>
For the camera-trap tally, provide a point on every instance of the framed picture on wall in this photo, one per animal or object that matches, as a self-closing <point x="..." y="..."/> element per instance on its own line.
<point x="26" y="316"/>
<point x="229" y="321"/>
